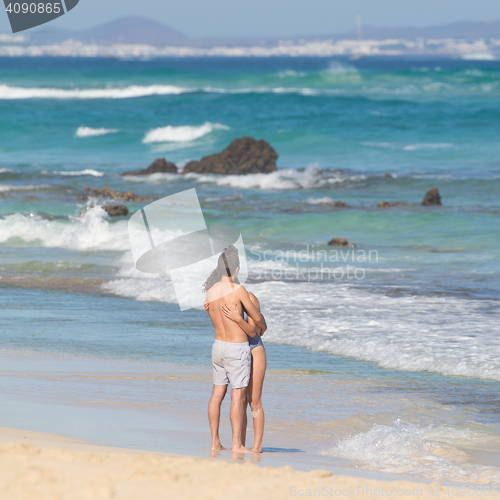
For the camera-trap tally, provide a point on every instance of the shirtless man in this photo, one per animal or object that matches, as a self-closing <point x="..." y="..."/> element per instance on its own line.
<point x="231" y="358"/>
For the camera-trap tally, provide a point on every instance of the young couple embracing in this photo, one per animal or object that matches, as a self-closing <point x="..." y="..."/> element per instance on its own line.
<point x="238" y="354"/>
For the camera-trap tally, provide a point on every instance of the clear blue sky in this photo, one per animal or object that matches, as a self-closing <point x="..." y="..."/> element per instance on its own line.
<point x="275" y="17"/>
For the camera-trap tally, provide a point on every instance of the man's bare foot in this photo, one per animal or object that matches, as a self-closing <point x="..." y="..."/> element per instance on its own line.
<point x="256" y="450"/>
<point x="241" y="449"/>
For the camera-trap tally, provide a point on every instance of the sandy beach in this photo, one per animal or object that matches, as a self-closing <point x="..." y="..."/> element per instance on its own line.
<point x="47" y="466"/>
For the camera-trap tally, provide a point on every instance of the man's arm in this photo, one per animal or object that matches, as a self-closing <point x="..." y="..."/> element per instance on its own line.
<point x="252" y="311"/>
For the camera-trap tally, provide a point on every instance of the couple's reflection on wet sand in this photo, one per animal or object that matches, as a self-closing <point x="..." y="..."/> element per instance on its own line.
<point x="256" y="457"/>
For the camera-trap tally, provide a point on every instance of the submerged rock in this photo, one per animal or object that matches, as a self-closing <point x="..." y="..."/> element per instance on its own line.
<point x="340" y="242"/>
<point x="116" y="210"/>
<point x="109" y="193"/>
<point x="243" y="156"/>
<point x="334" y="204"/>
<point x="160" y="165"/>
<point x="112" y="210"/>
<point x="388" y="204"/>
<point x="432" y="197"/>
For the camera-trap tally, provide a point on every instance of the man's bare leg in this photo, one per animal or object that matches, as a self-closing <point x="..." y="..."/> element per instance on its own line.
<point x="238" y="408"/>
<point x="218" y="393"/>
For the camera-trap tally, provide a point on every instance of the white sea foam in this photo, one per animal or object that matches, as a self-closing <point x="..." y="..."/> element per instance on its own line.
<point x="479" y="56"/>
<point x="414" y="147"/>
<point x="282" y="179"/>
<point x="307" y="91"/>
<point x="90" y="232"/>
<point x="450" y="336"/>
<point x="91" y="132"/>
<point x="339" y="68"/>
<point x="409" y="147"/>
<point x="224" y="198"/>
<point x="135" y="91"/>
<point x="8" y="92"/>
<point x="159" y="178"/>
<point x="144" y="287"/>
<point x="279" y="180"/>
<point x="473" y="72"/>
<point x="447" y="335"/>
<point x="5" y="170"/>
<point x="432" y="451"/>
<point x="183" y="133"/>
<point x="4" y="188"/>
<point x="86" y="171"/>
<point x="319" y="201"/>
<point x="291" y="72"/>
<point x="292" y="90"/>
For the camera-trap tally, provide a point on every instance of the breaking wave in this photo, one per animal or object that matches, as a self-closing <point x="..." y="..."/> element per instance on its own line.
<point x="90" y="232"/>
<point x="456" y="337"/>
<point x="91" y="132"/>
<point x="86" y="171"/>
<point x="8" y="92"/>
<point x="4" y="188"/>
<point x="433" y="451"/>
<point x="280" y="180"/>
<point x="183" y="133"/>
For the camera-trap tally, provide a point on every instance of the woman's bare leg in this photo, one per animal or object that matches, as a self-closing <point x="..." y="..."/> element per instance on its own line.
<point x="259" y="363"/>
<point x="245" y="424"/>
<point x="245" y="420"/>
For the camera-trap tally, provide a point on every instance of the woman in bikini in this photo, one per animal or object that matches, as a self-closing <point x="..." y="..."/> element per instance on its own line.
<point x="258" y="370"/>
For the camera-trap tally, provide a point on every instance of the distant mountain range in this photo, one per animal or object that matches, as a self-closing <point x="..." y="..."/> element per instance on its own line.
<point x="138" y="30"/>
<point x="133" y="30"/>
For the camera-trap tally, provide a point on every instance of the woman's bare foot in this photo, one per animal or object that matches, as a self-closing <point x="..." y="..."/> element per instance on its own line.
<point x="256" y="450"/>
<point x="218" y="446"/>
<point x="241" y="449"/>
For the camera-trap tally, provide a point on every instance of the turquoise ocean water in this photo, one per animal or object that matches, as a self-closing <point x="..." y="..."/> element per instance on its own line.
<point x="420" y="316"/>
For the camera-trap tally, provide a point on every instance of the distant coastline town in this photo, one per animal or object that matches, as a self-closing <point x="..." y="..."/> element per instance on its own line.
<point x="142" y="38"/>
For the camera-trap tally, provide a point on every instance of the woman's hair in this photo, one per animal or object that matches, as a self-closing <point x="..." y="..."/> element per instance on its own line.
<point x="226" y="266"/>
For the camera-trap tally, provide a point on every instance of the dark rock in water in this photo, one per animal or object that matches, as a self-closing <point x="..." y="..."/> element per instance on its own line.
<point x="159" y="166"/>
<point x="109" y="193"/>
<point x="340" y="242"/>
<point x="334" y="204"/>
<point x="432" y="197"/>
<point x="388" y="176"/>
<point x="116" y="210"/>
<point x="388" y="204"/>
<point x="112" y="210"/>
<point x="242" y="156"/>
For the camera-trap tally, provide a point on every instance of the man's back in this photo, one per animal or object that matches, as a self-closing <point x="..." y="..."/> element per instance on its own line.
<point x="224" y="292"/>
